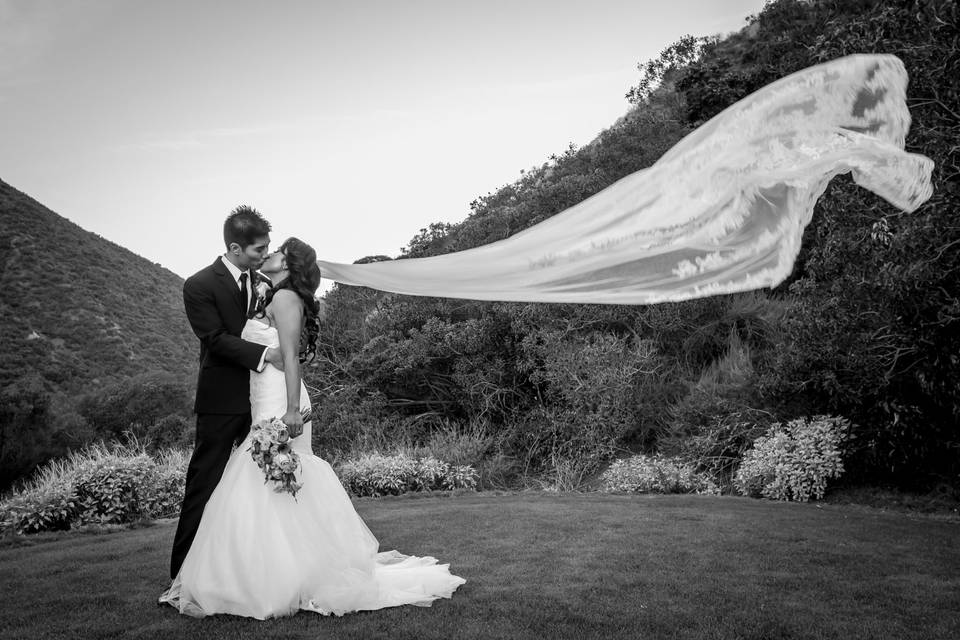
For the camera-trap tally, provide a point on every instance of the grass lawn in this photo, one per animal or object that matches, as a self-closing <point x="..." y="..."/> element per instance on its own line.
<point x="550" y="566"/>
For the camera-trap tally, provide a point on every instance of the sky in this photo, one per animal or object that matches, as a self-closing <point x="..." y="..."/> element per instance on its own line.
<point x="351" y="125"/>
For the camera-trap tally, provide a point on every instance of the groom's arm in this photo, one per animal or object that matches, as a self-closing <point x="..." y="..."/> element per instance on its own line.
<point x="204" y="317"/>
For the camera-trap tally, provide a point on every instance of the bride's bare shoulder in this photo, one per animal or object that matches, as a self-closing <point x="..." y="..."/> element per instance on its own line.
<point x="286" y="301"/>
<point x="286" y="296"/>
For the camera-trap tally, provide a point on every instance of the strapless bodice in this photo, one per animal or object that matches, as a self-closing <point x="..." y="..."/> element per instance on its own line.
<point x="256" y="331"/>
<point x="268" y="388"/>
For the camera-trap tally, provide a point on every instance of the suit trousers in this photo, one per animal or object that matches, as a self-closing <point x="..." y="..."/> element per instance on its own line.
<point x="216" y="435"/>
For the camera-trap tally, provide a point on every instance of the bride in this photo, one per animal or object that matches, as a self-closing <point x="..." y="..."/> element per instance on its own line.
<point x="261" y="554"/>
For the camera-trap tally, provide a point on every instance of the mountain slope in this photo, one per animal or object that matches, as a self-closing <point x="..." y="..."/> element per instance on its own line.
<point x="80" y="311"/>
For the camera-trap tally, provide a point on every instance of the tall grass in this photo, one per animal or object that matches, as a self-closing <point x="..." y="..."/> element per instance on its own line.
<point x="103" y="483"/>
<point x="67" y="469"/>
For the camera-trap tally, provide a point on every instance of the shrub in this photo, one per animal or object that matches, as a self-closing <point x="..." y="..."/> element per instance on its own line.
<point x="379" y="475"/>
<point x="24" y="406"/>
<point x="134" y="404"/>
<point x="113" y="490"/>
<point x="655" y="474"/>
<point x="794" y="462"/>
<point x="459" y="444"/>
<point x="351" y="421"/>
<point x="718" y="419"/>
<point x="47" y="506"/>
<point x="499" y="471"/>
<point x="717" y="447"/>
<point x="172" y="431"/>
<point x="165" y="493"/>
<point x="565" y="474"/>
<point x="101" y="484"/>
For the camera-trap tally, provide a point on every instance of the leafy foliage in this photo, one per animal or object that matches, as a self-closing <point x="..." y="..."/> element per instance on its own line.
<point x="24" y="404"/>
<point x="794" y="461"/>
<point x="383" y="475"/>
<point x="656" y="474"/>
<point x="674" y="58"/>
<point x="113" y="492"/>
<point x="99" y="484"/>
<point x="50" y="506"/>
<point x="872" y="329"/>
<point x="153" y="404"/>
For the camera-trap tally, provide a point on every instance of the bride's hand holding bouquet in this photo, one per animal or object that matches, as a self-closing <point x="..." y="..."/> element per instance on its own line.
<point x="270" y="448"/>
<point x="294" y="422"/>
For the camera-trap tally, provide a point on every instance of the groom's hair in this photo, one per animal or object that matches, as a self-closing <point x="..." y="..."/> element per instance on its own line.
<point x="244" y="226"/>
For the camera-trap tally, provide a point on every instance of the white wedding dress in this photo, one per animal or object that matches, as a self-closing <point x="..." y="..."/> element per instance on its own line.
<point x="262" y="554"/>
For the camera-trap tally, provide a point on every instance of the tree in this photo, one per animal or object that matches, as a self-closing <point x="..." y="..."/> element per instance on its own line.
<point x="135" y="404"/>
<point x="24" y="441"/>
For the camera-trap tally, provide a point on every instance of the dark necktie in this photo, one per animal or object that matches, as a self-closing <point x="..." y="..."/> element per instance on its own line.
<point x="243" y="294"/>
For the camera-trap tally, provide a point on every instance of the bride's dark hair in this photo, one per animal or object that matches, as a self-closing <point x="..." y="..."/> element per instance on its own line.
<point x="304" y="279"/>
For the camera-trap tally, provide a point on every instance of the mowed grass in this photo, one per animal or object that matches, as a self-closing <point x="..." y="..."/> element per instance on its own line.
<point x="550" y="566"/>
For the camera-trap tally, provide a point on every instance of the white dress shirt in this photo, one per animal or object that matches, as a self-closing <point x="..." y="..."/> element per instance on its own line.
<point x="235" y="271"/>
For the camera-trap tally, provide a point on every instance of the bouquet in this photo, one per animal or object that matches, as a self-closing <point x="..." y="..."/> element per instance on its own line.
<point x="270" y="449"/>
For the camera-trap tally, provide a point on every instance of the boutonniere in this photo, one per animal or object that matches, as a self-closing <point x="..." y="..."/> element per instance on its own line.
<point x="260" y="289"/>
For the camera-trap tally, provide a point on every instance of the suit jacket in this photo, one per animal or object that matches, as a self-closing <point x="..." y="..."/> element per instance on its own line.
<point x="216" y="313"/>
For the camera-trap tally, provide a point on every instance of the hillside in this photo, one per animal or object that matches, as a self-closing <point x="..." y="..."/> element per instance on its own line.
<point x="80" y="311"/>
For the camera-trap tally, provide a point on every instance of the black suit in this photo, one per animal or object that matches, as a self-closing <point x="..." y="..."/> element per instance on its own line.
<point x="217" y="314"/>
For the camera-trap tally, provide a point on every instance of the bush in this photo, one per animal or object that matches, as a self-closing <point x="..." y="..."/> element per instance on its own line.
<point x="165" y="492"/>
<point x="655" y="474"/>
<point x="101" y="484"/>
<point x="379" y="475"/>
<point x="24" y="407"/>
<point x="134" y="404"/>
<point x="717" y="446"/>
<point x="350" y="421"/>
<point x="47" y="506"/>
<point x="719" y="418"/>
<point x="170" y="432"/>
<point x="547" y="439"/>
<point x="113" y="490"/>
<point x="794" y="462"/>
<point x="459" y="444"/>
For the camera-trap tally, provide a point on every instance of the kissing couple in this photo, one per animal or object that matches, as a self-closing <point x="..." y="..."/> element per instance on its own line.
<point x="241" y="547"/>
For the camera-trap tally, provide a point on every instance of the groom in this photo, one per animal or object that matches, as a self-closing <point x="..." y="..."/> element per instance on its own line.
<point x="218" y="300"/>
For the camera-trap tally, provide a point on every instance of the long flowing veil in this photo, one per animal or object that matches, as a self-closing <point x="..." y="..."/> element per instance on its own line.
<point x="722" y="211"/>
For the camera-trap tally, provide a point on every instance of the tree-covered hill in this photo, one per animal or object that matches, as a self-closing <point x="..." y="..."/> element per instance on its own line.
<point x="866" y="327"/>
<point x="80" y="311"/>
<point x="84" y="323"/>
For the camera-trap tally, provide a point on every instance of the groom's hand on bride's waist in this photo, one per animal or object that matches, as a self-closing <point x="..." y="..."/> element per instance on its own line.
<point x="273" y="357"/>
